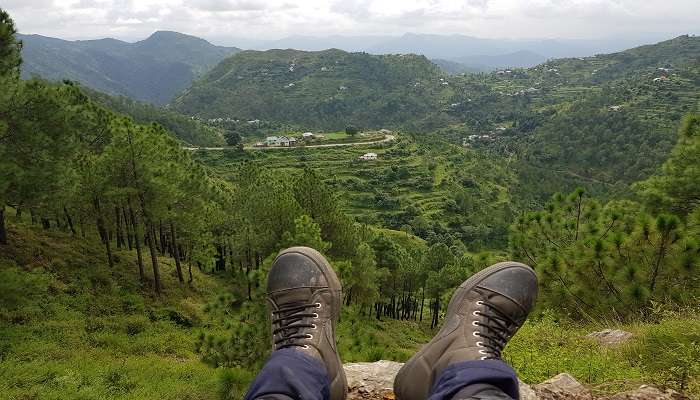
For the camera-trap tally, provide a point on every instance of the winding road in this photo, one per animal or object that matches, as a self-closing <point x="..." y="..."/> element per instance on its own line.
<point x="387" y="138"/>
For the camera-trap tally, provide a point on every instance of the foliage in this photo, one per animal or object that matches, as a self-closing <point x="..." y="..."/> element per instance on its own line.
<point x="306" y="233"/>
<point x="606" y="261"/>
<point x="188" y="130"/>
<point x="677" y="187"/>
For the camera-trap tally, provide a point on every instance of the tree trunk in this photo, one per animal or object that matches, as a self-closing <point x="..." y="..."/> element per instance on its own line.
<point x="137" y="240"/>
<point x="3" y="230"/>
<point x="102" y="231"/>
<point x="436" y="313"/>
<point x="422" y="301"/>
<point x="45" y="223"/>
<point x="162" y="237"/>
<point x="129" y="229"/>
<point x="154" y="257"/>
<point x="120" y="233"/>
<point x="173" y="243"/>
<point x="33" y="215"/>
<point x="69" y="220"/>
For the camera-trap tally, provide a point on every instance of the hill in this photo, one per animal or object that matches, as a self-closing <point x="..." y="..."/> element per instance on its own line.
<point x="327" y="90"/>
<point x="152" y="70"/>
<point x="600" y="122"/>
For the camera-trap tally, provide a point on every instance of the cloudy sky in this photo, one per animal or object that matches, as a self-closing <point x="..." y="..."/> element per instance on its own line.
<point x="224" y="20"/>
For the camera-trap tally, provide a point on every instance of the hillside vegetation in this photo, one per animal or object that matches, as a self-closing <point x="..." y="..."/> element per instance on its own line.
<point x="189" y="131"/>
<point x="327" y="89"/>
<point x="152" y="70"/>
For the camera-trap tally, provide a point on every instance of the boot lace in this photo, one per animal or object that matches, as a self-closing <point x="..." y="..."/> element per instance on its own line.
<point x="290" y="323"/>
<point x="497" y="330"/>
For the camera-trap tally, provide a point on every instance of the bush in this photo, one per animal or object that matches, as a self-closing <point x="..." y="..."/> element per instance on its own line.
<point x="670" y="352"/>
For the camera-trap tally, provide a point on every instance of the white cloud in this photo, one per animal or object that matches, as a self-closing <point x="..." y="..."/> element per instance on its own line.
<point x="267" y="19"/>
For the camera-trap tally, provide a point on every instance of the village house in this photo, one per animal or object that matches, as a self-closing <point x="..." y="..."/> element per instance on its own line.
<point x="280" y="141"/>
<point x="285" y="141"/>
<point x="307" y="135"/>
<point x="368" y="157"/>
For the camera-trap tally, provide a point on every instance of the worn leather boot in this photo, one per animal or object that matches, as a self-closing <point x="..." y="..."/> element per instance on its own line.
<point x="483" y="314"/>
<point x="304" y="296"/>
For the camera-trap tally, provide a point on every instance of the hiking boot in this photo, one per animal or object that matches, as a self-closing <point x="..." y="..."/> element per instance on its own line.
<point x="304" y="296"/>
<point x="483" y="314"/>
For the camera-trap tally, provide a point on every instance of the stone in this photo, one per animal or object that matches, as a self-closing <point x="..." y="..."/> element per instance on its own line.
<point x="371" y="380"/>
<point x="375" y="381"/>
<point x="648" y="393"/>
<point x="526" y="392"/>
<point x="562" y="387"/>
<point x="610" y="337"/>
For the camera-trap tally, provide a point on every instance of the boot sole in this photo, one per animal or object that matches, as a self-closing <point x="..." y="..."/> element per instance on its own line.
<point x="335" y="287"/>
<point x="455" y="300"/>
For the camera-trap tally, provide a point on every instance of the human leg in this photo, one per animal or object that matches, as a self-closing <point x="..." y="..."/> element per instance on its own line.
<point x="304" y="297"/>
<point x="483" y="314"/>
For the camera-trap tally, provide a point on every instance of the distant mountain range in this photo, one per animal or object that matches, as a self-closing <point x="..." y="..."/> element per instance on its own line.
<point x="152" y="70"/>
<point x="332" y="88"/>
<point x="475" y="53"/>
<point x="161" y="67"/>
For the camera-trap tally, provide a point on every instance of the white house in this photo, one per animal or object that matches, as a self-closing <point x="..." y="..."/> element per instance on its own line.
<point x="285" y="141"/>
<point x="368" y="157"/>
<point x="272" y="141"/>
<point x="307" y="135"/>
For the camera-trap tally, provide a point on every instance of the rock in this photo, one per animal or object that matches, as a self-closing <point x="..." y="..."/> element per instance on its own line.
<point x="648" y="393"/>
<point x="610" y="337"/>
<point x="375" y="381"/>
<point x="371" y="380"/>
<point x="526" y="392"/>
<point x="562" y="387"/>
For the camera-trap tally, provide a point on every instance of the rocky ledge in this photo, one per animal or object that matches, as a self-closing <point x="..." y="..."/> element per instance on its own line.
<point x="374" y="381"/>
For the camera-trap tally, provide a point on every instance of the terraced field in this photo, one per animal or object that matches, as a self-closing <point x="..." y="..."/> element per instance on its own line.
<point x="417" y="184"/>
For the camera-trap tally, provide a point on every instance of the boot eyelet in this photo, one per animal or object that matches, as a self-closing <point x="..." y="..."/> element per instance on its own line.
<point x="483" y="358"/>
<point x="309" y="336"/>
<point x="318" y="305"/>
<point x="476" y="334"/>
<point x="475" y="323"/>
<point x="315" y="315"/>
<point x="482" y="352"/>
<point x="476" y="313"/>
<point x="313" y="326"/>
<point x="306" y="346"/>
<point x="479" y="344"/>
<point x="480" y="303"/>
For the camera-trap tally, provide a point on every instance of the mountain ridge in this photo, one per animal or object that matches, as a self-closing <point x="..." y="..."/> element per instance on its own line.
<point x="151" y="70"/>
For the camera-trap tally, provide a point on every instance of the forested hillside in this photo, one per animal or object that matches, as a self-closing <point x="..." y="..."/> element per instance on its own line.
<point x="327" y="90"/>
<point x="189" y="131"/>
<point x="152" y="70"/>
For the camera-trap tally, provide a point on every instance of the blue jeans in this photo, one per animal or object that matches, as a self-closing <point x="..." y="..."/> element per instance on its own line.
<point x="291" y="375"/>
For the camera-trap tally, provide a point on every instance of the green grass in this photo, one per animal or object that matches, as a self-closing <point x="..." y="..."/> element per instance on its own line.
<point x="72" y="329"/>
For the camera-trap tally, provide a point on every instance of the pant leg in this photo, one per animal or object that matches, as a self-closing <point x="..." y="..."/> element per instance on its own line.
<point x="479" y="379"/>
<point x="481" y="391"/>
<point x="290" y="375"/>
